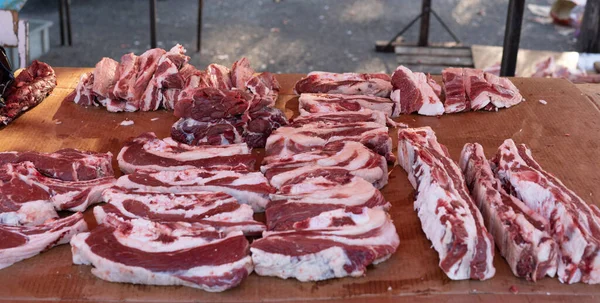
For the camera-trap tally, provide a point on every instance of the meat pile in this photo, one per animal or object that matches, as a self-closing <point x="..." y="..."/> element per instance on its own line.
<point x="463" y="89"/>
<point x="178" y="217"/>
<point x="29" y="89"/>
<point x="34" y="186"/>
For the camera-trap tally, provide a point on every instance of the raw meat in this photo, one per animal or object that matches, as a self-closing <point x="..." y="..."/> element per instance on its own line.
<point x="477" y="88"/>
<point x="172" y="90"/>
<point x="148" y="62"/>
<point x="413" y="93"/>
<point x="84" y="94"/>
<point x="347" y="84"/>
<point x="522" y="235"/>
<point x="454" y="90"/>
<point x="220" y="77"/>
<point x="215" y="132"/>
<point x="207" y="104"/>
<point x="128" y="71"/>
<point x="504" y="93"/>
<point x="216" y="209"/>
<point x="575" y="225"/>
<point x="144" y="252"/>
<point x="287" y="141"/>
<point x="241" y="72"/>
<point x="65" y="164"/>
<point x="363" y="115"/>
<point x="250" y="188"/>
<point x="266" y="87"/>
<point x="29" y="89"/>
<point x="147" y="152"/>
<point x="105" y="78"/>
<point x="437" y="89"/>
<point x="327" y="103"/>
<point x="23" y="242"/>
<point x="351" y="156"/>
<point x="258" y="125"/>
<point x="165" y="76"/>
<point x="449" y="216"/>
<point x="327" y="249"/>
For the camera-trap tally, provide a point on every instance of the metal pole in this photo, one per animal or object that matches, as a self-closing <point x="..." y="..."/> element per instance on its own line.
<point x="153" y="23"/>
<point x="68" y="13"/>
<point x="589" y="38"/>
<point x="424" y="31"/>
<point x="198" y="42"/>
<point x="512" y="36"/>
<point x="62" y="21"/>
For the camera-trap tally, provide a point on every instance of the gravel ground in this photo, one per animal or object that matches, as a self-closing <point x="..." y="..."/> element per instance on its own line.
<point x="278" y="36"/>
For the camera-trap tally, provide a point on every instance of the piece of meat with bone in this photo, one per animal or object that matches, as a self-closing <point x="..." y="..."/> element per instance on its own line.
<point x="287" y="141"/>
<point x="216" y="209"/>
<point x="148" y="61"/>
<point x="504" y="93"/>
<point x="220" y="77"/>
<point x="265" y="87"/>
<point x="23" y="242"/>
<point x="143" y="252"/>
<point x="215" y="132"/>
<point x="208" y="104"/>
<point x="364" y="115"/>
<point x="522" y="236"/>
<point x="328" y="103"/>
<point x="413" y="93"/>
<point x="106" y="75"/>
<point x="338" y="244"/>
<point x="575" y="225"/>
<point x="165" y="76"/>
<point x="65" y="164"/>
<point x="346" y="84"/>
<point x="354" y="157"/>
<point x="241" y="72"/>
<point x="250" y="188"/>
<point x="128" y="70"/>
<point x="84" y="94"/>
<point x="148" y="152"/>
<point x="455" y="91"/>
<point x="258" y="125"/>
<point x="28" y="90"/>
<point x="449" y="216"/>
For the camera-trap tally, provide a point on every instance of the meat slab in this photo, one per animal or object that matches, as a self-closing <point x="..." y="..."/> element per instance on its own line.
<point x="346" y="84"/>
<point x="147" y="152"/>
<point x="449" y="216"/>
<point x="364" y="115"/>
<point x="215" y="132"/>
<point x="336" y="244"/>
<point x="258" y="125"/>
<point x="84" y="92"/>
<point x="143" y="252"/>
<point x="328" y="103"/>
<point x="455" y="91"/>
<point x="23" y="242"/>
<point x="250" y="188"/>
<point x="522" y="235"/>
<point x="413" y="93"/>
<point x="574" y="224"/>
<point x="127" y="70"/>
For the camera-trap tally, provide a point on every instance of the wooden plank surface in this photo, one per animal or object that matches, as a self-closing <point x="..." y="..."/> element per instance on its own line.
<point x="564" y="136"/>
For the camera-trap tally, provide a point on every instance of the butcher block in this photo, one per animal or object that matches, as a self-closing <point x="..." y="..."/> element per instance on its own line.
<point x="563" y="133"/>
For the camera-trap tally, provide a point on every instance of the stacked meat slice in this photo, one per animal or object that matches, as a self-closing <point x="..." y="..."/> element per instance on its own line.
<point x="34" y="186"/>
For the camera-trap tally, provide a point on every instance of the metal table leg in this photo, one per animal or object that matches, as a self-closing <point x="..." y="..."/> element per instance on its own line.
<point x="153" y="23"/>
<point x="512" y="37"/>
<point x="61" y="20"/>
<point x="198" y="42"/>
<point x="424" y="30"/>
<point x="68" y="13"/>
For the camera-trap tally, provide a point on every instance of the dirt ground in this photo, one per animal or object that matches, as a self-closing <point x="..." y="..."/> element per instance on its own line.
<point x="278" y="36"/>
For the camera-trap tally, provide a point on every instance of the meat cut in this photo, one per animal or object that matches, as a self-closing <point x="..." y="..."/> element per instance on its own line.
<point x="148" y="62"/>
<point x="207" y="104"/>
<point x="364" y="115"/>
<point x="449" y="216"/>
<point x="84" y="92"/>
<point x="241" y="73"/>
<point x="166" y="76"/>
<point x="351" y="156"/>
<point x="215" y="132"/>
<point x="328" y="103"/>
<point x="336" y="244"/>
<point x="127" y="70"/>
<point x="143" y="252"/>
<point x="574" y="224"/>
<point x="147" y="152"/>
<point x="346" y="84"/>
<point x="23" y="242"/>
<point x="455" y="91"/>
<point x="216" y="209"/>
<point x="484" y="89"/>
<point x="250" y="188"/>
<point x="265" y="87"/>
<point x="65" y="164"/>
<point x="522" y="235"/>
<point x="105" y="77"/>
<point x="412" y="92"/>
<point x="29" y="89"/>
<point x="287" y="141"/>
<point x="258" y="125"/>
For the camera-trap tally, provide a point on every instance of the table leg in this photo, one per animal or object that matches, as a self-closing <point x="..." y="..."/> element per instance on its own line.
<point x="424" y="30"/>
<point x="153" y="23"/>
<point x="512" y="37"/>
<point x="199" y="40"/>
<point x="61" y="20"/>
<point x="68" y="13"/>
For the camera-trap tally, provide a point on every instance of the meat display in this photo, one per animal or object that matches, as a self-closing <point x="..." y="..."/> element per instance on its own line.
<point x="338" y="244"/>
<point x="29" y="89"/>
<point x="574" y="224"/>
<point x="287" y="141"/>
<point x="65" y="164"/>
<point x="23" y="242"/>
<point x="346" y="84"/>
<point x="522" y="235"/>
<point x="147" y="152"/>
<point x="143" y="252"/>
<point x="216" y="209"/>
<point x="250" y="188"/>
<point x="413" y="93"/>
<point x="449" y="216"/>
<point x="328" y="103"/>
<point x="364" y="115"/>
<point x="351" y="156"/>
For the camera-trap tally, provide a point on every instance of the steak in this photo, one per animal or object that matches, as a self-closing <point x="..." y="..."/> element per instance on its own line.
<point x="147" y="152"/>
<point x="23" y="242"/>
<point x="327" y="103"/>
<point x="449" y="216"/>
<point x="412" y="92"/>
<point x="522" y="235"/>
<point x="346" y="84"/>
<point x="215" y="132"/>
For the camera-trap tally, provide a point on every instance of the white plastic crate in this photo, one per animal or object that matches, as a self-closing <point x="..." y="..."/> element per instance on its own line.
<point x="39" y="42"/>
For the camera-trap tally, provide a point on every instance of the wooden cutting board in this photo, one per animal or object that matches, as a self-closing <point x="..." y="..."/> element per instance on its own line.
<point x="564" y="136"/>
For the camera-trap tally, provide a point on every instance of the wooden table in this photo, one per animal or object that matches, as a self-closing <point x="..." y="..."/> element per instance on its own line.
<point x="564" y="136"/>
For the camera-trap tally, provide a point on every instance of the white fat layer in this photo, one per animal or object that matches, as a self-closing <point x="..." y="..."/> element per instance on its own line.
<point x="164" y="149"/>
<point x="327" y="103"/>
<point x="354" y="193"/>
<point x="30" y="213"/>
